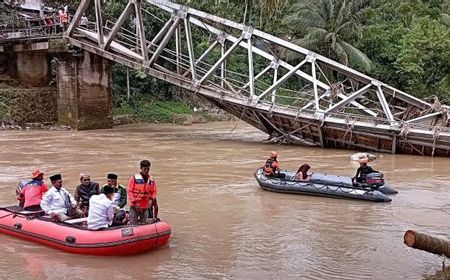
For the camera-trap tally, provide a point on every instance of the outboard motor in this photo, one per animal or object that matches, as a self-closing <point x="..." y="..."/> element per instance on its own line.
<point x="372" y="180"/>
<point x="375" y="179"/>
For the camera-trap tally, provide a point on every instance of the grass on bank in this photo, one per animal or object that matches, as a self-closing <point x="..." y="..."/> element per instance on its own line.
<point x="152" y="111"/>
<point x="147" y="109"/>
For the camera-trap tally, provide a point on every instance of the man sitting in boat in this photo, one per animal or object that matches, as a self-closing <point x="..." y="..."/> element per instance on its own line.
<point x="101" y="209"/>
<point x="84" y="191"/>
<point x="30" y="192"/>
<point x="142" y="192"/>
<point x="362" y="171"/>
<point x="302" y="173"/>
<point x="271" y="168"/>
<point x="58" y="202"/>
<point x="120" y="193"/>
<point x="119" y="198"/>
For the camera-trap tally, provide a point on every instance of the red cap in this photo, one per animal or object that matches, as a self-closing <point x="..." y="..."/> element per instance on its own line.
<point x="36" y="173"/>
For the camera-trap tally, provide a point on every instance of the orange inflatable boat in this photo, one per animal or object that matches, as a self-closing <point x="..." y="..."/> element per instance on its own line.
<point x="72" y="237"/>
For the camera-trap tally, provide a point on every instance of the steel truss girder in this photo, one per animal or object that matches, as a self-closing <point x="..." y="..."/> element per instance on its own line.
<point x="167" y="5"/>
<point x="196" y="17"/>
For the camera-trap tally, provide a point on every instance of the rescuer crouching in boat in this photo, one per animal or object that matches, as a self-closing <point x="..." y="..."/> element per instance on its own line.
<point x="362" y="171"/>
<point x="58" y="202"/>
<point x="271" y="168"/>
<point x="101" y="209"/>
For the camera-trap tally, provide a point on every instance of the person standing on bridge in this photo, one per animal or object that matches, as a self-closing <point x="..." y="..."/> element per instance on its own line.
<point x="48" y="23"/>
<point x="64" y="19"/>
<point x="142" y="192"/>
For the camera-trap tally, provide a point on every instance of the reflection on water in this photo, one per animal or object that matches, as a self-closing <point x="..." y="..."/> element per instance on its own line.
<point x="224" y="225"/>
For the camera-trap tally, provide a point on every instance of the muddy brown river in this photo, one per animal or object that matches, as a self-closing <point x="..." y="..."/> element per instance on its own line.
<point x="224" y="226"/>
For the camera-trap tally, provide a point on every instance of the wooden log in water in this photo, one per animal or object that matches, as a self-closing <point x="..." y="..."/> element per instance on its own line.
<point x="427" y="243"/>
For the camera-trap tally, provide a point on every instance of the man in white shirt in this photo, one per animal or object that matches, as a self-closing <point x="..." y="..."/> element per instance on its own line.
<point x="101" y="209"/>
<point x="58" y="202"/>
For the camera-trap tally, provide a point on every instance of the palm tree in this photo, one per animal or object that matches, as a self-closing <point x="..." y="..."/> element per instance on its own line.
<point x="328" y="27"/>
<point x="268" y="6"/>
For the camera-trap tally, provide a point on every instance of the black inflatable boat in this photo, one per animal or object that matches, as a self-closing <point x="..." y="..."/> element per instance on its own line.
<point x="324" y="185"/>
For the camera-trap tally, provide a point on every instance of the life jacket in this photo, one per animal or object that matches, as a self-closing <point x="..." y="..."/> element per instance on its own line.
<point x="143" y="190"/>
<point x="31" y="192"/>
<point x="270" y="167"/>
<point x="64" y="17"/>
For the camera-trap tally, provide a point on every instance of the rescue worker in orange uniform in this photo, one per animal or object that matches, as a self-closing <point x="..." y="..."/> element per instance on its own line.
<point x="64" y="19"/>
<point x="30" y="192"/>
<point x="142" y="192"/>
<point x="271" y="168"/>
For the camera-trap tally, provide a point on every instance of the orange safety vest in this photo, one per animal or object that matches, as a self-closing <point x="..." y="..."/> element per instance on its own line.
<point x="64" y="17"/>
<point x="140" y="191"/>
<point x="270" y="167"/>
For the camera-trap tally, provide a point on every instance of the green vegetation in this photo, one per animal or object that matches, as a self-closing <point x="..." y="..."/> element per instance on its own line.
<point x="9" y="17"/>
<point x="147" y="109"/>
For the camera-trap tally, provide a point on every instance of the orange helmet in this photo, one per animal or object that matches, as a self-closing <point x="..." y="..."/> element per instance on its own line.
<point x="363" y="160"/>
<point x="273" y="154"/>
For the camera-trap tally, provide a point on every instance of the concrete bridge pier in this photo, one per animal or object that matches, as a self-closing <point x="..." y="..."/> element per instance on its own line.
<point x="84" y="91"/>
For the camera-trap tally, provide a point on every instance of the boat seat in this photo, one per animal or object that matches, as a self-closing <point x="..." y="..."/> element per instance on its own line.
<point x="76" y="221"/>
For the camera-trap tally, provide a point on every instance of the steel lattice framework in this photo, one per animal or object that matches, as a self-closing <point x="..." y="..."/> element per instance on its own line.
<point x="310" y="99"/>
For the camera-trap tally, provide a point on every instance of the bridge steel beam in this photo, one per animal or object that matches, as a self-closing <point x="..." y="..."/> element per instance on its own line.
<point x="178" y="48"/>
<point x="204" y="54"/>
<point x="275" y="78"/>
<point x="77" y="17"/>
<point x="278" y="83"/>
<point x="384" y="105"/>
<point x="99" y="20"/>
<point x="221" y="59"/>
<point x="161" y="33"/>
<point x="140" y="24"/>
<point x="190" y="47"/>
<point x="112" y="34"/>
<point x="164" y="41"/>
<point x="349" y="99"/>
<point x="425" y="117"/>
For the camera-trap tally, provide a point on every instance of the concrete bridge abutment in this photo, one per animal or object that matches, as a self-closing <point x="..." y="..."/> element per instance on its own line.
<point x="83" y="80"/>
<point x="84" y="91"/>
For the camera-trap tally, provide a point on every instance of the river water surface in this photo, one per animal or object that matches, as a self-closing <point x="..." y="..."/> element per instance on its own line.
<point x="224" y="226"/>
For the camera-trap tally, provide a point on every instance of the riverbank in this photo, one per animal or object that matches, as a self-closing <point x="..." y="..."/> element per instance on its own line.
<point x="28" y="109"/>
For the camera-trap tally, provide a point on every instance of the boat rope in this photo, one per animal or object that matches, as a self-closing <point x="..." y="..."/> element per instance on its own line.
<point x="6" y="215"/>
<point x="435" y="136"/>
<point x="349" y="129"/>
<point x="404" y="131"/>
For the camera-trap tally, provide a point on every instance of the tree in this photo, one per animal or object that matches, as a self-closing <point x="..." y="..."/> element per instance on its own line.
<point x="423" y="64"/>
<point x="328" y="27"/>
<point x="408" y="44"/>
